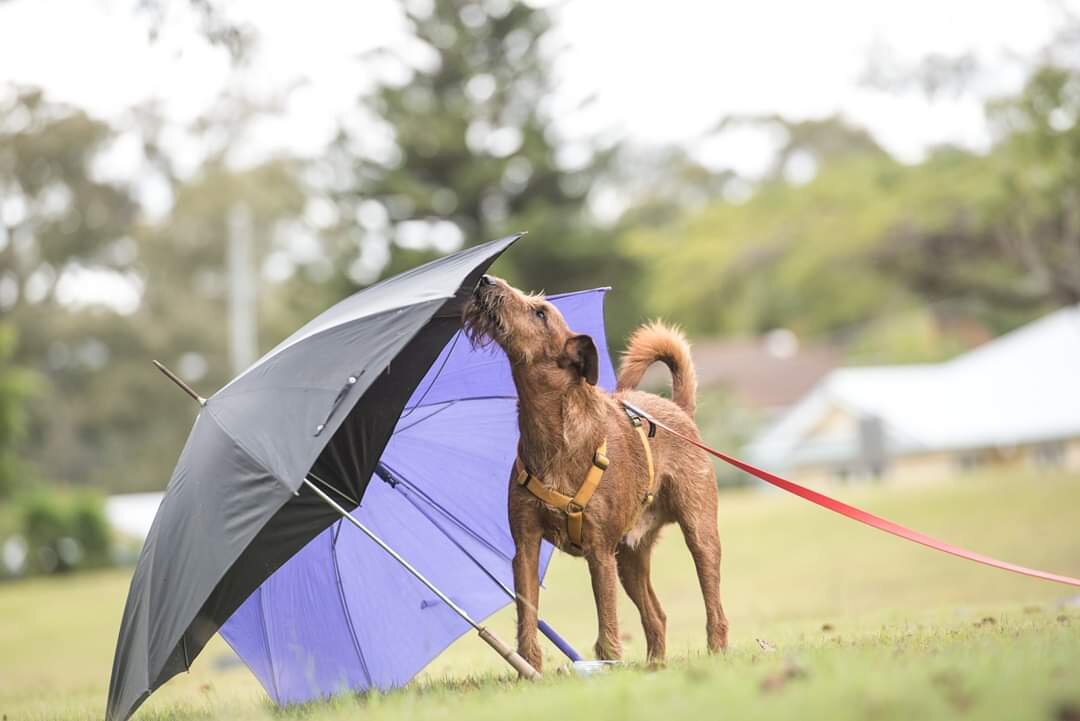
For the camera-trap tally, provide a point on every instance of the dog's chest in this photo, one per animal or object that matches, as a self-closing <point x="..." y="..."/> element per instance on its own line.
<point x="553" y="527"/>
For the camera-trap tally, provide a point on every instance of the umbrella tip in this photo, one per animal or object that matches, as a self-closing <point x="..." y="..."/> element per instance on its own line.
<point x="180" y="382"/>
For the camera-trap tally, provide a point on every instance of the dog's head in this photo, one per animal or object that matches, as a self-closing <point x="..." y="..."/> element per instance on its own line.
<point x="532" y="331"/>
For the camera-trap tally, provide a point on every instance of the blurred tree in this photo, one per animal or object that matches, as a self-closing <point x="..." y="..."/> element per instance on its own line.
<point x="58" y="216"/>
<point x="1016" y="250"/>
<point x="653" y="187"/>
<point x="16" y="386"/>
<point x="933" y="76"/>
<point x="181" y="319"/>
<point x="468" y="151"/>
<point x="60" y="222"/>
<point x="869" y="241"/>
<point x="789" y="256"/>
<point x="156" y="288"/>
<point x="213" y="23"/>
<point x="806" y="145"/>
<point x="1039" y="159"/>
<point x="458" y="144"/>
<point x="1008" y="246"/>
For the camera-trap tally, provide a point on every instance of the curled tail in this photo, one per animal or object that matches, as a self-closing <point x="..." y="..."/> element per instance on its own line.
<point x="658" y="342"/>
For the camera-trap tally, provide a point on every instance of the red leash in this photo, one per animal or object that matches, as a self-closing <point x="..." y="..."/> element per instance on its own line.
<point x="858" y="514"/>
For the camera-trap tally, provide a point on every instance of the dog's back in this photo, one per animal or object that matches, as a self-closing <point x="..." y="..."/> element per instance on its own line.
<point x="659" y="342"/>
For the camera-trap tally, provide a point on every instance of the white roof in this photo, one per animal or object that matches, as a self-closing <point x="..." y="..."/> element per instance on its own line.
<point x="1023" y="387"/>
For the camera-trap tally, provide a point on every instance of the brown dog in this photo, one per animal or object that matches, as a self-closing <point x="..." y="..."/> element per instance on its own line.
<point x="563" y="420"/>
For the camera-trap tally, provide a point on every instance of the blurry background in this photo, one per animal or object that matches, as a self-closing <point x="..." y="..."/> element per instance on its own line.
<point x="821" y="194"/>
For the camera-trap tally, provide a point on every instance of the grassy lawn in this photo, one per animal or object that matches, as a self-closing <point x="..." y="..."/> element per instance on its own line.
<point x="855" y="624"/>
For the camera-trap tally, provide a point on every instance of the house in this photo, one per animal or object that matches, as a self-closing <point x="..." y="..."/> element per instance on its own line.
<point x="1014" y="400"/>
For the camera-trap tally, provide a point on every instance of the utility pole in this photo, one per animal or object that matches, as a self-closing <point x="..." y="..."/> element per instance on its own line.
<point x="243" y="309"/>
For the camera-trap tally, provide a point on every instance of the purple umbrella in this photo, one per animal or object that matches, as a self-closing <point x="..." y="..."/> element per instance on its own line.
<point x="344" y="615"/>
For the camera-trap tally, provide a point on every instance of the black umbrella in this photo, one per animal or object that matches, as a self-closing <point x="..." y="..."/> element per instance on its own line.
<point x="321" y="405"/>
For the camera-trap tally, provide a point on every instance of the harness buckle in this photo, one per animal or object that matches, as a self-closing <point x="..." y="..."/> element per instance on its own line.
<point x="636" y="416"/>
<point x="601" y="461"/>
<point x="522" y="476"/>
<point x="573" y="508"/>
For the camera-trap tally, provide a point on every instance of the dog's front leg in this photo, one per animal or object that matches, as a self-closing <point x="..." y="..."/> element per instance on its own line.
<point x="527" y="585"/>
<point x="604" y="572"/>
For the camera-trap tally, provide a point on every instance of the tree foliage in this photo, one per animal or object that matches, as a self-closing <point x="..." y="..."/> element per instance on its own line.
<point x="104" y="416"/>
<point x="458" y="144"/>
<point x="470" y="152"/>
<point x="1039" y="199"/>
<point x="16" y="387"/>
<point x="992" y="236"/>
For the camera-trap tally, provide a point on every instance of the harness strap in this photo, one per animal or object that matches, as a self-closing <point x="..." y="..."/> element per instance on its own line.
<point x="650" y="489"/>
<point x="574" y="508"/>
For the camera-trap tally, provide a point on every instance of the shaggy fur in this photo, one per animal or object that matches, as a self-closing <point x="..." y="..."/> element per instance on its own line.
<point x="563" y="418"/>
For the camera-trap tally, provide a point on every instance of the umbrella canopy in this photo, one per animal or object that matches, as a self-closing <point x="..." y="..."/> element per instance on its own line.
<point x="328" y="397"/>
<point x="341" y="614"/>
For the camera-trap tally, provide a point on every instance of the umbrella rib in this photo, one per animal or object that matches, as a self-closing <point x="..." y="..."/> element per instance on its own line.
<point x="393" y="554"/>
<point x="445" y="360"/>
<point x="347" y="497"/>
<point x="347" y="610"/>
<point x="269" y="651"/>
<point x="397" y="478"/>
<point x="444" y="406"/>
<point x="547" y="630"/>
<point x="495" y="397"/>
<point x="457" y="544"/>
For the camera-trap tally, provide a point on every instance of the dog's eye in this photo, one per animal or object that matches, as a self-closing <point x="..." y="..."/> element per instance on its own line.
<point x="540" y="314"/>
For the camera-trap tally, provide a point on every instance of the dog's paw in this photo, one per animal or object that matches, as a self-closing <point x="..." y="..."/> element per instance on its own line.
<point x="611" y="651"/>
<point x="533" y="656"/>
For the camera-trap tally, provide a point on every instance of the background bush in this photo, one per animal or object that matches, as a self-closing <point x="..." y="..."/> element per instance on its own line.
<point x="63" y="532"/>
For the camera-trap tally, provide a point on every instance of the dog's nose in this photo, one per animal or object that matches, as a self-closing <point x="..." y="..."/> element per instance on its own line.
<point x="486" y="280"/>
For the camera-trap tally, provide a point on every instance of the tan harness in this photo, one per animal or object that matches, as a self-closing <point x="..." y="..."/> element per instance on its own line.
<point x="574" y="507"/>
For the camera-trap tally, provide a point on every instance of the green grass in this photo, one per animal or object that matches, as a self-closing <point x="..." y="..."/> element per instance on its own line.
<point x="862" y="626"/>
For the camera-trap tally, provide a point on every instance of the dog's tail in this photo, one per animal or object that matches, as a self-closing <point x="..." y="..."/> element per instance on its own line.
<point x="658" y="342"/>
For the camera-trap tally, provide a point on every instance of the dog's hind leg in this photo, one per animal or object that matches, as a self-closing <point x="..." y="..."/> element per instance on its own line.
<point x="702" y="538"/>
<point x="634" y="572"/>
<point x="602" y="568"/>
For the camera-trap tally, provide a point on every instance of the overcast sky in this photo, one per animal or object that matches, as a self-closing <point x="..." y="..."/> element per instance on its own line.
<point x="660" y="72"/>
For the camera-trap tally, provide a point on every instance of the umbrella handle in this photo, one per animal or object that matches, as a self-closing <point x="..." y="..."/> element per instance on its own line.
<point x="512" y="657"/>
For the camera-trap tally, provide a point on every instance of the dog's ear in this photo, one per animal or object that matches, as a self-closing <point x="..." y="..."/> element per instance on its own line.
<point x="579" y="353"/>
